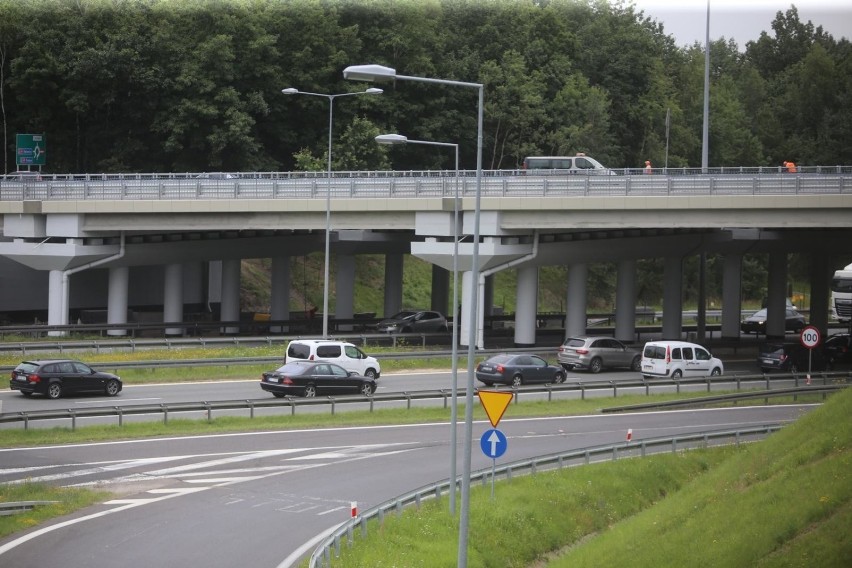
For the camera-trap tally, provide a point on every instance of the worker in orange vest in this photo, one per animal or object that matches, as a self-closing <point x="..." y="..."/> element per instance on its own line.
<point x="648" y="168"/>
<point x="791" y="167"/>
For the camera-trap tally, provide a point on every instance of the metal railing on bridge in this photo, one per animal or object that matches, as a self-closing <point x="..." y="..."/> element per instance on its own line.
<point x="434" y="183"/>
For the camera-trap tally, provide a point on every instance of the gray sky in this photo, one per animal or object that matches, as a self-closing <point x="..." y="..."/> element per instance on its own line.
<point x="743" y="20"/>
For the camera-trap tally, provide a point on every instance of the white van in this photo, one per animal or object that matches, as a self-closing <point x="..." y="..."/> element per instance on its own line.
<point x="344" y="354"/>
<point x="678" y="359"/>
<point x="579" y="164"/>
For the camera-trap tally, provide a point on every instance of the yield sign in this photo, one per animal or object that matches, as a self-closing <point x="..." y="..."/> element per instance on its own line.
<point x="495" y="404"/>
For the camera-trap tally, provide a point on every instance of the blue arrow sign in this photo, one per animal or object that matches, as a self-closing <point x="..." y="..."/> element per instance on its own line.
<point x="493" y="443"/>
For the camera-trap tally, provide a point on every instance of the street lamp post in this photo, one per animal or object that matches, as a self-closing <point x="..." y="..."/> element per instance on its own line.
<point x="382" y="73"/>
<point x="330" y="97"/>
<point x="394" y="139"/>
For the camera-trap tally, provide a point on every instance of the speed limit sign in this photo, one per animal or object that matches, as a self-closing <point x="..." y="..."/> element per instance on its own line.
<point x="810" y="337"/>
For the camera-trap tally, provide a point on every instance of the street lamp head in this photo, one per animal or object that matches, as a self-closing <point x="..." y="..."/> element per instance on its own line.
<point x="290" y="91"/>
<point x="374" y="91"/>
<point x="369" y="73"/>
<point x="391" y="139"/>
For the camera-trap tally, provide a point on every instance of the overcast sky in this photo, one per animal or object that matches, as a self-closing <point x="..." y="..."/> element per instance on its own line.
<point x="742" y="20"/>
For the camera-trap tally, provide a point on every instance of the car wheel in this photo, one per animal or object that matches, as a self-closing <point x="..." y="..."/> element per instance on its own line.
<point x="596" y="365"/>
<point x="559" y="377"/>
<point x="310" y="391"/>
<point x="371" y="373"/>
<point x="636" y="364"/>
<point x="279" y="394"/>
<point x="112" y="387"/>
<point x="366" y="389"/>
<point x="677" y="373"/>
<point x="54" y="390"/>
<point x="715" y="372"/>
<point x="517" y="380"/>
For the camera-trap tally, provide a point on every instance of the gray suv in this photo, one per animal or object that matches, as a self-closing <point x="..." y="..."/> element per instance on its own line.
<point x="597" y="353"/>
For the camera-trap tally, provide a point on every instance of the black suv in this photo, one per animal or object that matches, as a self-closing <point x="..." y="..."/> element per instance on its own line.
<point x="790" y="358"/>
<point x="55" y="378"/>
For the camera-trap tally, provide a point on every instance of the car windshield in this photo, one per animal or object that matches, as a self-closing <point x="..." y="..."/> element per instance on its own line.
<point x="291" y="369"/>
<point x="402" y="315"/>
<point x="759" y="314"/>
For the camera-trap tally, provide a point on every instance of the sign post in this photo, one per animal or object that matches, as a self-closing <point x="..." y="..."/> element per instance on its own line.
<point x="809" y="339"/>
<point x="493" y="442"/>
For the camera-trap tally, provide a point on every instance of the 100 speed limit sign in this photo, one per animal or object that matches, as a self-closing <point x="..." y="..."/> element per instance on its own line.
<point x="810" y="337"/>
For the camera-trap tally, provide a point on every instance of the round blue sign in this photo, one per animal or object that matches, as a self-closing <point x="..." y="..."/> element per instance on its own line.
<point x="493" y="443"/>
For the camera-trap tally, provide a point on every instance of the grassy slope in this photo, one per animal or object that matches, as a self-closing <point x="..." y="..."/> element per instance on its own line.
<point x="783" y="502"/>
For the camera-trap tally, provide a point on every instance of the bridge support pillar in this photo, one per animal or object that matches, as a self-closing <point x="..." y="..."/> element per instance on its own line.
<point x="119" y="279"/>
<point x="279" y="308"/>
<point x="56" y="315"/>
<point x="625" y="301"/>
<point x="173" y="297"/>
<point x="776" y="307"/>
<point x="344" y="290"/>
<point x="393" y="283"/>
<point x="820" y="277"/>
<point x="439" y="301"/>
<point x="673" y="298"/>
<point x="526" y="306"/>
<point x="576" y="300"/>
<point x="732" y="303"/>
<point x="230" y="307"/>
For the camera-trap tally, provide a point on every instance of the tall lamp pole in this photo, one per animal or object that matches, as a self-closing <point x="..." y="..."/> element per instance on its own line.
<point x="382" y="73"/>
<point x="330" y="97"/>
<point x="394" y="139"/>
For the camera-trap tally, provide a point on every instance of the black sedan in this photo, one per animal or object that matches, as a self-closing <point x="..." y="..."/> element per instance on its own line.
<point x="518" y="369"/>
<point x="756" y="322"/>
<point x="790" y="358"/>
<point x="55" y="378"/>
<point x="838" y="349"/>
<point x="310" y="378"/>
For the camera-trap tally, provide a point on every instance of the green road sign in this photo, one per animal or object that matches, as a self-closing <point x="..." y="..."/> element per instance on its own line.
<point x="31" y="149"/>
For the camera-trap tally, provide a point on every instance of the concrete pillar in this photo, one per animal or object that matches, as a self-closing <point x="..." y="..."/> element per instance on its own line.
<point x="214" y="284"/>
<point x="230" y="308"/>
<point x="466" y="307"/>
<point x="576" y="299"/>
<point x="526" y="306"/>
<point x="393" y="284"/>
<point x="673" y="298"/>
<point x="732" y="300"/>
<point x="440" y="298"/>
<point x="776" y="306"/>
<point x="279" y="308"/>
<point x="821" y="274"/>
<point x="173" y="297"/>
<point x="345" y="290"/>
<point x="625" y="301"/>
<point x="57" y="302"/>
<point x="119" y="280"/>
<point x="488" y="296"/>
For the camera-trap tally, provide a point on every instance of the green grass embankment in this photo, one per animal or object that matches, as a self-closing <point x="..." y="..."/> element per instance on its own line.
<point x="781" y="502"/>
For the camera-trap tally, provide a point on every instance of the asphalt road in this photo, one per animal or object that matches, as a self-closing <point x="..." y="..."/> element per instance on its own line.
<point x="260" y="499"/>
<point x="13" y="401"/>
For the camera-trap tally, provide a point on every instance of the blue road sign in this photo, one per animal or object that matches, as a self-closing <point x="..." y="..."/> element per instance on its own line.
<point x="493" y="443"/>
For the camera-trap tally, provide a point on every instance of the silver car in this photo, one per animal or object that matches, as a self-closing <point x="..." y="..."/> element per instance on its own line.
<point x="413" y="321"/>
<point x="597" y="353"/>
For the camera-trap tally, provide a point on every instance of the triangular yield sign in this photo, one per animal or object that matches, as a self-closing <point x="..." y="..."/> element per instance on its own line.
<point x="495" y="404"/>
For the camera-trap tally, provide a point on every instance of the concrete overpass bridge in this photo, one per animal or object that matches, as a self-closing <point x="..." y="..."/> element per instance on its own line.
<point x="172" y="239"/>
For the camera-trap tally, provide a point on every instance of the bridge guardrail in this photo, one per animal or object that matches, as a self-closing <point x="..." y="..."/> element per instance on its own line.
<point x="297" y="185"/>
<point x="331" y="544"/>
<point x="830" y="383"/>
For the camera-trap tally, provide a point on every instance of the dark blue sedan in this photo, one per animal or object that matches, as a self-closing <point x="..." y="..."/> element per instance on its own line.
<point x="518" y="369"/>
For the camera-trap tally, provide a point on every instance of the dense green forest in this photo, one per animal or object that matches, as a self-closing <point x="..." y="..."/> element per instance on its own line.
<point x="195" y="85"/>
